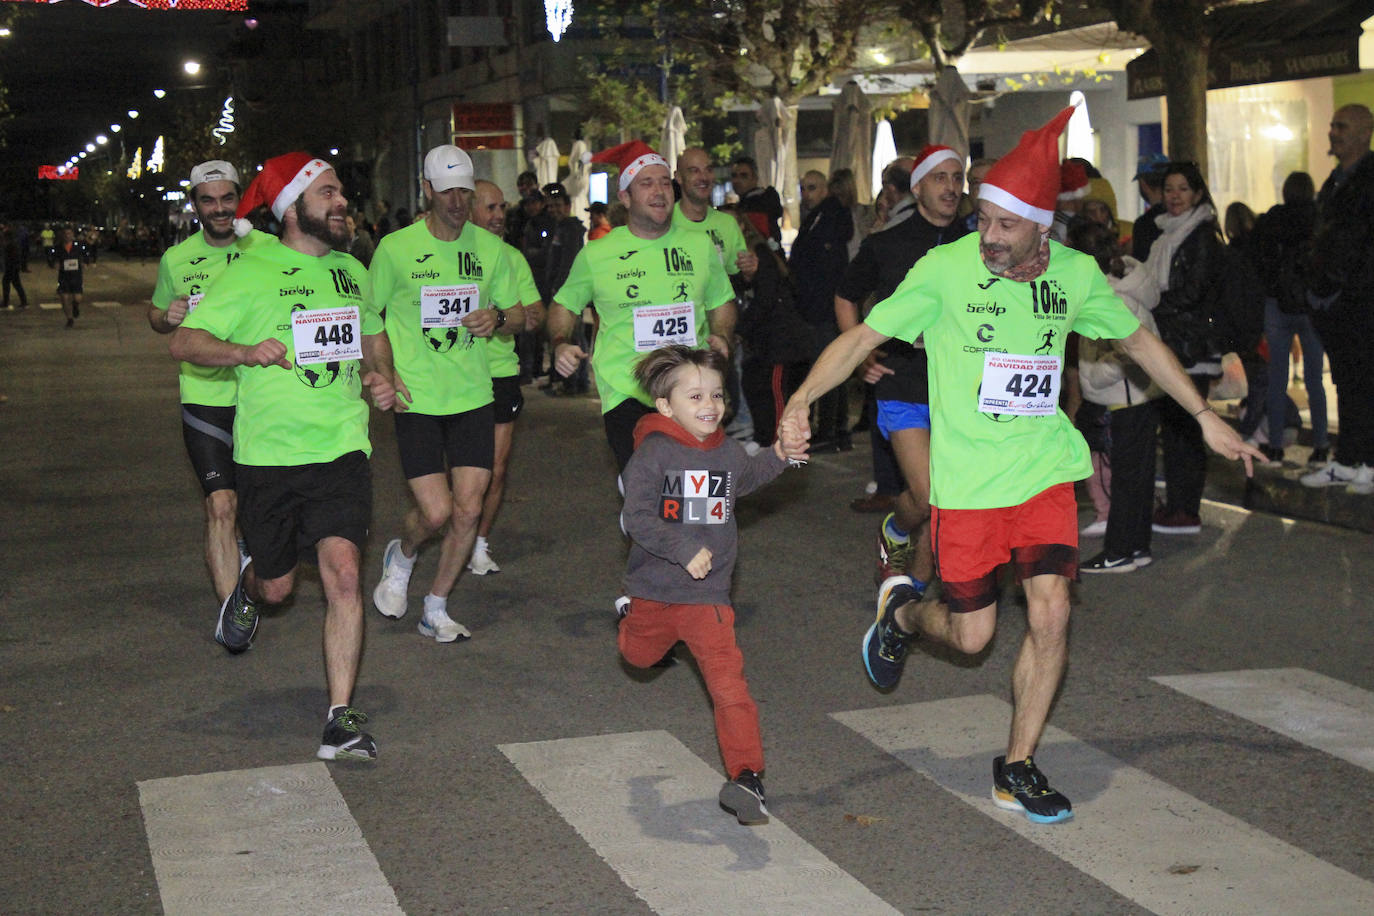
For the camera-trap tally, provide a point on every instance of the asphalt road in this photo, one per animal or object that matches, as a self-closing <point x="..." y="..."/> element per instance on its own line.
<point x="109" y="678"/>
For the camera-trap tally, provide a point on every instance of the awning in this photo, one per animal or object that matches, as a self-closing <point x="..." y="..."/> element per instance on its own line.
<point x="1269" y="43"/>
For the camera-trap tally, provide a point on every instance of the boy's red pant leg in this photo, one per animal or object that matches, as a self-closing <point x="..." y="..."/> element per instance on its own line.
<point x="652" y="627"/>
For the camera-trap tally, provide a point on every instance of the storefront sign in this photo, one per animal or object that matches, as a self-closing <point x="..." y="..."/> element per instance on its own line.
<point x="1300" y="59"/>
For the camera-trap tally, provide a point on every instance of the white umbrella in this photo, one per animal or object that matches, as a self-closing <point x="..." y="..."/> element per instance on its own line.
<point x="949" y="112"/>
<point x="1080" y="129"/>
<point x="775" y="150"/>
<point x="674" y="139"/>
<point x="851" y="144"/>
<point x="545" y="161"/>
<point x="884" y="151"/>
<point x="577" y="181"/>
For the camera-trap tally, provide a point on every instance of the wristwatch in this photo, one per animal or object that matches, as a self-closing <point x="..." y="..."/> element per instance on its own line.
<point x="500" y="318"/>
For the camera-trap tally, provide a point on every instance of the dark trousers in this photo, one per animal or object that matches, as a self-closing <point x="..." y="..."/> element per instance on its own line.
<point x="832" y="410"/>
<point x="767" y="386"/>
<point x="1185" y="454"/>
<point x="1132" y="455"/>
<point x="1348" y="336"/>
<point x="12" y="278"/>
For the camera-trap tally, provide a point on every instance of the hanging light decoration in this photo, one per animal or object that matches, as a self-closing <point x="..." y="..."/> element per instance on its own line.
<point x="226" y="122"/>
<point x="558" y="16"/>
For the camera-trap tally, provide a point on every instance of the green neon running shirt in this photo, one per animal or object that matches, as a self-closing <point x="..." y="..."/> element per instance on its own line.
<point x="426" y="286"/>
<point x="501" y="358"/>
<point x="647" y="293"/>
<point x="188" y="269"/>
<point x="721" y="228"/>
<point x="995" y="458"/>
<point x="312" y="412"/>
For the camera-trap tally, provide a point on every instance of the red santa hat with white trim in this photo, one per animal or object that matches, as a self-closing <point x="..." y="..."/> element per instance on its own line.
<point x="1026" y="180"/>
<point x="281" y="182"/>
<point x="929" y="158"/>
<point x="1073" y="180"/>
<point x="631" y="158"/>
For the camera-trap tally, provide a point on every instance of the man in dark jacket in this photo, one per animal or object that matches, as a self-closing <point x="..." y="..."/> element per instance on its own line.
<point x="1341" y="281"/>
<point x="819" y="256"/>
<point x="763" y="204"/>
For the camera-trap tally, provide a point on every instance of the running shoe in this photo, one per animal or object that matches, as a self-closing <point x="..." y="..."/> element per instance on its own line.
<point x="1022" y="787"/>
<point x="440" y="627"/>
<point x="1105" y="563"/>
<point x="1094" y="529"/>
<point x="893" y="556"/>
<point x="390" y="594"/>
<point x="481" y="563"/>
<point x="1142" y="557"/>
<point x="884" y="644"/>
<point x="343" y="739"/>
<point x="238" y="617"/>
<point x="743" y="797"/>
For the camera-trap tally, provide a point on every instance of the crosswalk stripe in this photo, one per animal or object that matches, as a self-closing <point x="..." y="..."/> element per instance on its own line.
<point x="1310" y="708"/>
<point x="1158" y="846"/>
<point x="647" y="805"/>
<point x="271" y="840"/>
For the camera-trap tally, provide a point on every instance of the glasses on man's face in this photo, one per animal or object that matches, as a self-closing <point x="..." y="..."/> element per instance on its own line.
<point x="811" y="187"/>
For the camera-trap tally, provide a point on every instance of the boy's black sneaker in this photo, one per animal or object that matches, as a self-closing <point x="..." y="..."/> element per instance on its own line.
<point x="1020" y="786"/>
<point x="343" y="739"/>
<point x="238" y="618"/>
<point x="743" y="797"/>
<point x="885" y="644"/>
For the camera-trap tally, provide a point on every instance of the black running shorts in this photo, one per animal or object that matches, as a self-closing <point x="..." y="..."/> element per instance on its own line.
<point x="209" y="436"/>
<point x="508" y="400"/>
<point x="620" y="423"/>
<point x="285" y="510"/>
<point x="464" y="440"/>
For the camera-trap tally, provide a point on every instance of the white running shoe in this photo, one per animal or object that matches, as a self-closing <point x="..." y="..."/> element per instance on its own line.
<point x="1363" y="484"/>
<point x="1095" y="530"/>
<point x="390" y="594"/>
<point x="1334" y="474"/>
<point x="481" y="563"/>
<point x="440" y="627"/>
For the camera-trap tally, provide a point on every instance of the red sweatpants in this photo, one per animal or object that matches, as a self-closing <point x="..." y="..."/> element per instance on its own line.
<point x="650" y="630"/>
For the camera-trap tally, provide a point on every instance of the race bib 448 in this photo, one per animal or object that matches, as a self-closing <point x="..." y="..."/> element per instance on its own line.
<point x="326" y="335"/>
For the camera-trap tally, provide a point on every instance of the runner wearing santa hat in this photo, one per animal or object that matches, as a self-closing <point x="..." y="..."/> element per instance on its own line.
<point x="995" y="310"/>
<point x="652" y="282"/>
<point x="295" y="322"/>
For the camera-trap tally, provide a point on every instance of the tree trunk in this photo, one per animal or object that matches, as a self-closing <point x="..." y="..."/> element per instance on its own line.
<point x="1183" y="60"/>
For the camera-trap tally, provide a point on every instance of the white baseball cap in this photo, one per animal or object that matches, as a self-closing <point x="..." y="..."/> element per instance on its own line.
<point x="448" y="167"/>
<point x="214" y="170"/>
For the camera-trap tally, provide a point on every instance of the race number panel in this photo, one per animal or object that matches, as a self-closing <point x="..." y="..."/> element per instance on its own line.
<point x="661" y="325"/>
<point x="1026" y="386"/>
<point x="445" y="306"/>
<point x="326" y="335"/>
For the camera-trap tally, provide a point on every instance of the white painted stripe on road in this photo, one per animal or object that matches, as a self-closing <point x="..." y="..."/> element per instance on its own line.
<point x="49" y="306"/>
<point x="647" y="805"/>
<point x="1321" y="712"/>
<point x="106" y="304"/>
<point x="270" y="840"/>
<point x="1161" y="848"/>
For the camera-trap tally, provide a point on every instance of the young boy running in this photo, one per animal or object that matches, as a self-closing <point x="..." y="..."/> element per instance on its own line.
<point x="681" y="484"/>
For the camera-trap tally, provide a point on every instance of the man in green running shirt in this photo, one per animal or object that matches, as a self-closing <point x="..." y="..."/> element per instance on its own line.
<point x="1003" y="456"/>
<point x="652" y="282"/>
<point x="295" y="321"/>
<point x="208" y="395"/>
<point x="447" y="288"/>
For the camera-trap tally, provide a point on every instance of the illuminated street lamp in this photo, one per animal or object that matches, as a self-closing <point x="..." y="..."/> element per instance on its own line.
<point x="102" y="139"/>
<point x="159" y="93"/>
<point x="115" y="128"/>
<point x="90" y="148"/>
<point x="191" y="67"/>
<point x="133" y="114"/>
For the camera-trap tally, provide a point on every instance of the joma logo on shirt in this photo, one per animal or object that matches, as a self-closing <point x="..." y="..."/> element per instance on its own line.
<point x="1048" y="300"/>
<point x="695" y="498"/>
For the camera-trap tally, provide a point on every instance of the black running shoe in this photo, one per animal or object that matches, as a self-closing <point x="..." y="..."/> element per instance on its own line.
<point x="743" y="797"/>
<point x="1106" y="563"/>
<point x="1022" y="787"/>
<point x="343" y="738"/>
<point x="884" y="644"/>
<point x="238" y="618"/>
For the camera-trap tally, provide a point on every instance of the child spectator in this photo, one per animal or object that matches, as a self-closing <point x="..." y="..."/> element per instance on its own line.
<point x="681" y="484"/>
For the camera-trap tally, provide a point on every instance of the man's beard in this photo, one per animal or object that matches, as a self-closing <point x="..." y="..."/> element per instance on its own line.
<point x="211" y="232"/>
<point x="319" y="229"/>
